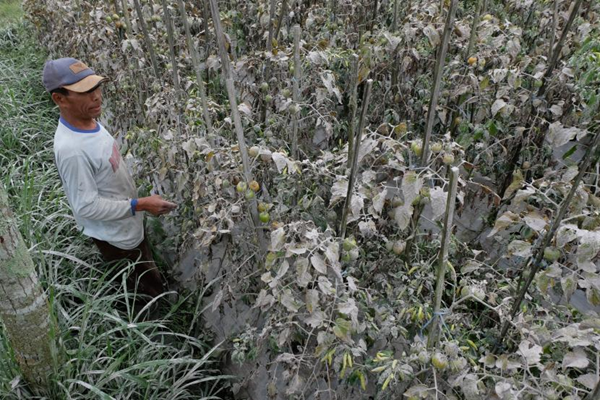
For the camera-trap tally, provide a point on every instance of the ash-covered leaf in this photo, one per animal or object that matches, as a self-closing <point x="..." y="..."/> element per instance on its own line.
<point x="244" y="108"/>
<point x="350" y="309"/>
<point x="325" y="285"/>
<point x="289" y="302"/>
<point x="519" y="248"/>
<point x="277" y="239"/>
<point x="312" y="300"/>
<point x="411" y="185"/>
<point x="379" y="201"/>
<point x="575" y="359"/>
<point x="432" y="34"/>
<point x="439" y="199"/>
<point x="589" y="246"/>
<point x="504" y="221"/>
<point x="535" y="221"/>
<point x="329" y="81"/>
<point x="280" y="161"/>
<point x="402" y="215"/>
<point x="568" y="284"/>
<point x="339" y="190"/>
<point x="318" y="263"/>
<point x="558" y="135"/>
<point x="588" y="380"/>
<point x="532" y="353"/>
<point x="498" y="105"/>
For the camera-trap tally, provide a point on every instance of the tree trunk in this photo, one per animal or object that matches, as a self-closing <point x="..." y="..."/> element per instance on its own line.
<point x="23" y="305"/>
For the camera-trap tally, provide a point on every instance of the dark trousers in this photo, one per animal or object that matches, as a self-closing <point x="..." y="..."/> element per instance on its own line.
<point x="145" y="273"/>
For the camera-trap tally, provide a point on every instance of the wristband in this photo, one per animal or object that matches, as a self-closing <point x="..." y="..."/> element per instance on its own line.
<point x="134" y="203"/>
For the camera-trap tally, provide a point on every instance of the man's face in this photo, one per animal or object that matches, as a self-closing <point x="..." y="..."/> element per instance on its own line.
<point x="81" y="105"/>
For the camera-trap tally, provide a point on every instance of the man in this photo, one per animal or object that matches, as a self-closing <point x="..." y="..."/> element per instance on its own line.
<point x="99" y="188"/>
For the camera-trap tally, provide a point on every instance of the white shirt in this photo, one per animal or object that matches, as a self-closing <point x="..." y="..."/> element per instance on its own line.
<point x="98" y="186"/>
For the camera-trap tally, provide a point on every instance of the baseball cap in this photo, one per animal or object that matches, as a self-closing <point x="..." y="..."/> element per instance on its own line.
<point x="71" y="74"/>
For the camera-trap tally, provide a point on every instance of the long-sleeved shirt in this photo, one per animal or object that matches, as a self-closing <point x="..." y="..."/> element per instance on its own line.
<point x="98" y="185"/>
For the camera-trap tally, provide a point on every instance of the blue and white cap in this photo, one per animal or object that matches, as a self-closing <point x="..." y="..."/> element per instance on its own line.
<point x="70" y="74"/>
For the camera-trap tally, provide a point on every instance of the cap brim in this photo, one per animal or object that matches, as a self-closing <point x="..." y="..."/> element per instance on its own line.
<point x="86" y="84"/>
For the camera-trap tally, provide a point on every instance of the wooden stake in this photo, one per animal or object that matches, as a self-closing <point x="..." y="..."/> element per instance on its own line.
<point x="437" y="81"/>
<point x="142" y="22"/>
<point x="558" y="48"/>
<point x="443" y="258"/>
<point x="296" y="89"/>
<point x="395" y="17"/>
<point x="539" y="251"/>
<point x="198" y="70"/>
<point x="353" y="170"/>
<point x="237" y="121"/>
<point x="284" y="5"/>
<point x="554" y="29"/>
<point x="352" y="105"/>
<point x="474" y="26"/>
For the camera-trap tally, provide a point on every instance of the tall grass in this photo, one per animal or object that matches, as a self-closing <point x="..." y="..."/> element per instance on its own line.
<point x="107" y="347"/>
<point x="10" y="10"/>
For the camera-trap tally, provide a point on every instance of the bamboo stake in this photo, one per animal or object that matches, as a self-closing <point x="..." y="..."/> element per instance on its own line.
<point x="352" y="105"/>
<point x="284" y="5"/>
<point x="171" y="40"/>
<point x="395" y="17"/>
<point x="539" y="251"/>
<point x="353" y="170"/>
<point x="205" y="13"/>
<point x="141" y="92"/>
<point x="557" y="50"/>
<point x="332" y="10"/>
<point x="239" y="130"/>
<point x="269" y="49"/>
<point x="296" y="89"/>
<point x="140" y="14"/>
<point x="474" y="28"/>
<point x="443" y="258"/>
<point x="554" y="29"/>
<point x="271" y="25"/>
<point x="198" y="70"/>
<point x="437" y="81"/>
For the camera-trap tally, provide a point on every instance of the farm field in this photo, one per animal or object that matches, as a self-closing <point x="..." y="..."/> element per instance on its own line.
<point x="377" y="199"/>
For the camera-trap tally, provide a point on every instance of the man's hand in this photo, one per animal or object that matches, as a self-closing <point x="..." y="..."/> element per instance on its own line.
<point x="155" y="205"/>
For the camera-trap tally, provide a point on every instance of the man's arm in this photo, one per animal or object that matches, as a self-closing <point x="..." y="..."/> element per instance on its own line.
<point x="155" y="205"/>
<point x="83" y="196"/>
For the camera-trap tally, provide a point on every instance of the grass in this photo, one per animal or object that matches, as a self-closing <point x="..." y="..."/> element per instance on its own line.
<point x="106" y="347"/>
<point x="10" y="11"/>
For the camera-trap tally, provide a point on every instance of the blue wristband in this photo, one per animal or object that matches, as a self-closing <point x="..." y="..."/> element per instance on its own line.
<point x="134" y="203"/>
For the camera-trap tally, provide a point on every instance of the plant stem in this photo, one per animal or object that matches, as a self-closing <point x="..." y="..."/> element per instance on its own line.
<point x="352" y="105"/>
<point x="296" y="89"/>
<point x="539" y="251"/>
<point x="353" y="170"/>
<point x="437" y="80"/>
<point x="443" y="257"/>
<point x="142" y="22"/>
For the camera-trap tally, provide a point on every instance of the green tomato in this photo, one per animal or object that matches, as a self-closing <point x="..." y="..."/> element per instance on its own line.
<point x="551" y="254"/>
<point x="264" y="217"/>
<point x="241" y="187"/>
<point x="349" y="244"/>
